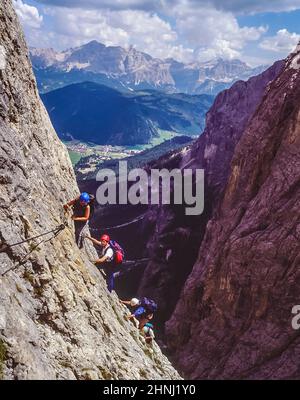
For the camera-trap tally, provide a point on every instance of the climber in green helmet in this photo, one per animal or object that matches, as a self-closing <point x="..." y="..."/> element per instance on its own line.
<point x="148" y="332"/>
<point x="82" y="208"/>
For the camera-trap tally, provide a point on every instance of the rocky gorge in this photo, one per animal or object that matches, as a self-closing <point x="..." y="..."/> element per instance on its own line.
<point x="227" y="281"/>
<point x="57" y="320"/>
<point x="233" y="318"/>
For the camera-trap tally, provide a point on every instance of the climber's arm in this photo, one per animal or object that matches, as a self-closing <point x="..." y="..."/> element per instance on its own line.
<point x="95" y="241"/>
<point x="101" y="260"/>
<point x="69" y="204"/>
<point x="126" y="302"/>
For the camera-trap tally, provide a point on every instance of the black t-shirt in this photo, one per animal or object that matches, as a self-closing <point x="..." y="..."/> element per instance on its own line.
<point x="79" y="211"/>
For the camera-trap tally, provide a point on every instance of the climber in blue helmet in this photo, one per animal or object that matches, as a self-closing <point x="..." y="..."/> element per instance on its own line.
<point x="82" y="207"/>
<point x="84" y="198"/>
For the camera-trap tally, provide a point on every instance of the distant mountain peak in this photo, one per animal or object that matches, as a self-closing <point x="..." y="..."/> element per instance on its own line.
<point x="93" y="44"/>
<point x="133" y="69"/>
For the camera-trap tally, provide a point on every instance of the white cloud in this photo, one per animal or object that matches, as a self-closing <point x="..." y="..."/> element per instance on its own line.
<point x="235" y="6"/>
<point x="282" y="42"/>
<point x="218" y="34"/>
<point x="29" y="15"/>
<point x="213" y="33"/>
<point x="145" y="31"/>
<point x="185" y="30"/>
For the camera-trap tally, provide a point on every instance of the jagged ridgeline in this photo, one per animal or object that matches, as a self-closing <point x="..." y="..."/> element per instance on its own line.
<point x="57" y="320"/>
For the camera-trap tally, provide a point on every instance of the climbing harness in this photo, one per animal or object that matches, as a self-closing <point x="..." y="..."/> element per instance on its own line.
<point x="5" y="247"/>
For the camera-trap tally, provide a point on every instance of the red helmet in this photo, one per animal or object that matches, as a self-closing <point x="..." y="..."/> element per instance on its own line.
<point x="106" y="238"/>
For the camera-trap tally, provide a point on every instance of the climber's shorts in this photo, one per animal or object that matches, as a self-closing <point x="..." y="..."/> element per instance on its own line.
<point x="140" y="312"/>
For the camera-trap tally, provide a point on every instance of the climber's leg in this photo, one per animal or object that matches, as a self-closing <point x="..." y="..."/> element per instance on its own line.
<point x="109" y="275"/>
<point x="110" y="279"/>
<point x="80" y="228"/>
<point x="144" y="319"/>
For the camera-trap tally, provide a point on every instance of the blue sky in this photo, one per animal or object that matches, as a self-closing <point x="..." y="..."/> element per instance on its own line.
<point x="275" y="21"/>
<point x="257" y="32"/>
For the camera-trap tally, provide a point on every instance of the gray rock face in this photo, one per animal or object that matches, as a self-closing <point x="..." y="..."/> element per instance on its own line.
<point x="176" y="238"/>
<point x="57" y="320"/>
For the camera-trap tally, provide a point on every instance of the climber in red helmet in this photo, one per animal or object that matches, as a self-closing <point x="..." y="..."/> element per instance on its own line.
<point x="106" y="260"/>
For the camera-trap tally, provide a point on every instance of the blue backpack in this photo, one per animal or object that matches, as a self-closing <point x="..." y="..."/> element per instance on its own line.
<point x="149" y="305"/>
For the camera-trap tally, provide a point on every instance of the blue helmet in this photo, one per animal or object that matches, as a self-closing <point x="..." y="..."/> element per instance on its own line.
<point x="84" y="197"/>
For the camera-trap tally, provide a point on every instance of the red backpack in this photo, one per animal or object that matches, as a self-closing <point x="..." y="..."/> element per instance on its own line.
<point x="119" y="254"/>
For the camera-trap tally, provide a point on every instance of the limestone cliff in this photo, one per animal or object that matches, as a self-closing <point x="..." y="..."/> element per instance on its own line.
<point x="57" y="320"/>
<point x="234" y="316"/>
<point x="176" y="238"/>
<point x="166" y="235"/>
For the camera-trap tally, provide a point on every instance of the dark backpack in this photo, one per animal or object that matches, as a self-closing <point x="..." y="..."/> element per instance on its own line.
<point x="149" y="305"/>
<point x="119" y="254"/>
